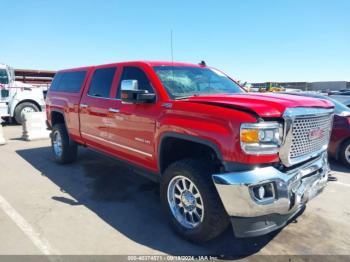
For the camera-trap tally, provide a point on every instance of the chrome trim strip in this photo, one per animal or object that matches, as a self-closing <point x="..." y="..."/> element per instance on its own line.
<point x="307" y="112"/>
<point x="118" y="145"/>
<point x="267" y="124"/>
<point x="113" y="110"/>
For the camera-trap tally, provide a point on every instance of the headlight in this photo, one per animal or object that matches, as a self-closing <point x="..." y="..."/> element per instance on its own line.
<point x="262" y="138"/>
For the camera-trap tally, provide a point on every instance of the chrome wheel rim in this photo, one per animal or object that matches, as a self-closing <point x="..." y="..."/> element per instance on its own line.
<point x="57" y="143"/>
<point x="185" y="202"/>
<point x="347" y="153"/>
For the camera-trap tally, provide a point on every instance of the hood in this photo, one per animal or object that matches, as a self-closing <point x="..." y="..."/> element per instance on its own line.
<point x="264" y="105"/>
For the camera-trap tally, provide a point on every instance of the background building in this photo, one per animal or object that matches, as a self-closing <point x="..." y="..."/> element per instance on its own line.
<point x="309" y="86"/>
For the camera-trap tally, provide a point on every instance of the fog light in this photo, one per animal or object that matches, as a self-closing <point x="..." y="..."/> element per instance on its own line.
<point x="264" y="191"/>
<point x="261" y="192"/>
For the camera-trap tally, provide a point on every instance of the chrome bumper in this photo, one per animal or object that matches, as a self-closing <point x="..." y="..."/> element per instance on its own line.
<point x="292" y="189"/>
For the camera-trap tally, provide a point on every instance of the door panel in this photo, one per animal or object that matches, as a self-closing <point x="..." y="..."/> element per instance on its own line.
<point x="136" y="123"/>
<point x="96" y="122"/>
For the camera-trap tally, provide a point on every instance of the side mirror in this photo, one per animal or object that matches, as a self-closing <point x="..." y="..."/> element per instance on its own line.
<point x="130" y="93"/>
<point x="5" y="93"/>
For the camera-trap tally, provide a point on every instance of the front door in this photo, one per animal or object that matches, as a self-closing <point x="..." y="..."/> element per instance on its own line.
<point x="136" y="123"/>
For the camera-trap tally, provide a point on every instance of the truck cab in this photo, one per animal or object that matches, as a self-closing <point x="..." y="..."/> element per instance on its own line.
<point x="18" y="97"/>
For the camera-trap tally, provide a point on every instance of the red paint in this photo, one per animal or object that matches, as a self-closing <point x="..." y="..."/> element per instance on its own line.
<point x="340" y="133"/>
<point x="214" y="118"/>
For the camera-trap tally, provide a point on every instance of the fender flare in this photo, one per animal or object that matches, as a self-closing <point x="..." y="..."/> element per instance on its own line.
<point x="190" y="138"/>
<point x="58" y="111"/>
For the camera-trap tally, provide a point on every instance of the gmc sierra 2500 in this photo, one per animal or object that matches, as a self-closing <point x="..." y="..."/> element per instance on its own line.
<point x="220" y="154"/>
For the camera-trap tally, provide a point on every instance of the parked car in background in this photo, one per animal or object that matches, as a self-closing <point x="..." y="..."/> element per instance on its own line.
<point x="339" y="146"/>
<point x="342" y="96"/>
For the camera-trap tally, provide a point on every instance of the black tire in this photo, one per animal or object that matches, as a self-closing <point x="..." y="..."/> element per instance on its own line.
<point x="215" y="219"/>
<point x="69" y="148"/>
<point x="19" y="110"/>
<point x="342" y="153"/>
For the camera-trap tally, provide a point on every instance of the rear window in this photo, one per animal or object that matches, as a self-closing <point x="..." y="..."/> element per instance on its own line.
<point x="70" y="82"/>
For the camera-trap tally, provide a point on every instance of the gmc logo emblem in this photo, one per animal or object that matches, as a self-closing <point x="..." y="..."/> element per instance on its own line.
<point x="316" y="133"/>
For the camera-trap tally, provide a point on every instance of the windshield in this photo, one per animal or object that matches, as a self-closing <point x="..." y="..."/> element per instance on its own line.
<point x="4" y="79"/>
<point x="185" y="81"/>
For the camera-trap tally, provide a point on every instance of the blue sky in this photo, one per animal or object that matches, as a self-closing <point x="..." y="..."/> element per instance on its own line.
<point x="261" y="40"/>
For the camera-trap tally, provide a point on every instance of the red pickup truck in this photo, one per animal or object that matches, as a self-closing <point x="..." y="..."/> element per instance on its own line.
<point x="220" y="154"/>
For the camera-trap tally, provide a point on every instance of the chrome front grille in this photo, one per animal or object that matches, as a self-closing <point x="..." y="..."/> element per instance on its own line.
<point x="306" y="134"/>
<point x="302" y="142"/>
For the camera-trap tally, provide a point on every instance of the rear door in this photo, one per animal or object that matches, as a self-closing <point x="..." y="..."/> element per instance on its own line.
<point x="96" y="121"/>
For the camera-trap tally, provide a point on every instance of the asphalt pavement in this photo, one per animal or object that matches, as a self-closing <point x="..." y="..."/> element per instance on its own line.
<point x="98" y="206"/>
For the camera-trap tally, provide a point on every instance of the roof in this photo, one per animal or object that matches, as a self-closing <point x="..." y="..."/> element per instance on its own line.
<point x="169" y="63"/>
<point x="150" y="63"/>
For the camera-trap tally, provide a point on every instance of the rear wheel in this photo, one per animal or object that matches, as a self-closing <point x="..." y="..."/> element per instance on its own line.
<point x="64" y="149"/>
<point x="23" y="108"/>
<point x="345" y="153"/>
<point x="191" y="201"/>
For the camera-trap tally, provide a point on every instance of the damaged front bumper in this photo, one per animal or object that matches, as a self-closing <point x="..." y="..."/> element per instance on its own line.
<point x="264" y="199"/>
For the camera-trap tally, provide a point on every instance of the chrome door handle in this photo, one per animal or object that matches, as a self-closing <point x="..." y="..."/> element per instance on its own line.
<point x="84" y="106"/>
<point x="113" y="110"/>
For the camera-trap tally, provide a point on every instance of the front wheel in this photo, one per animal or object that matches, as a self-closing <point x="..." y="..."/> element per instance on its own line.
<point x="191" y="201"/>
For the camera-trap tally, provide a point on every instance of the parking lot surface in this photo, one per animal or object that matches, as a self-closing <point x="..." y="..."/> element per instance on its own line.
<point x="98" y="206"/>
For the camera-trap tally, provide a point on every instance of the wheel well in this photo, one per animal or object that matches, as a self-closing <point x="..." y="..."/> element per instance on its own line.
<point x="173" y="149"/>
<point x="57" y="118"/>
<point x="29" y="101"/>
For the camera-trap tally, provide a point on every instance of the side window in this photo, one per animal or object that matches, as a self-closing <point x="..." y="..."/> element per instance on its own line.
<point x="70" y="82"/>
<point x="56" y="82"/>
<point x="101" y="82"/>
<point x="135" y="73"/>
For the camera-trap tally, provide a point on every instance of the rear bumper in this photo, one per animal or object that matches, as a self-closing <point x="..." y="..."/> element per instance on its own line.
<point x="251" y="216"/>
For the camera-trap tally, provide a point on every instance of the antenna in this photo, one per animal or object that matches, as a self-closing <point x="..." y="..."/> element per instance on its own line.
<point x="171" y="46"/>
<point x="172" y="56"/>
